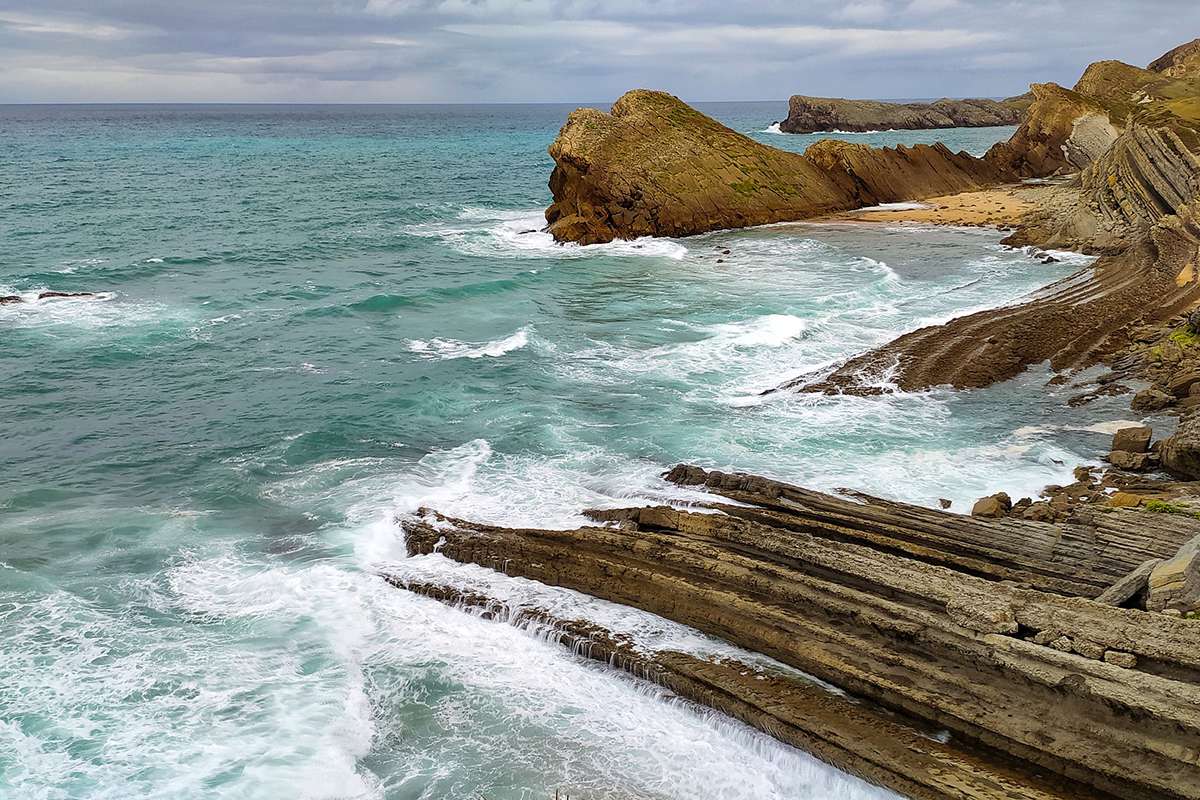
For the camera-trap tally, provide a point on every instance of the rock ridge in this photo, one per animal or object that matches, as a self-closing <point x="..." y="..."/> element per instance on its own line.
<point x="817" y="114"/>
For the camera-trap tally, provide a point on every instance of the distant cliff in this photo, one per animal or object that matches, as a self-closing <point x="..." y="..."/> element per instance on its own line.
<point x="812" y="114"/>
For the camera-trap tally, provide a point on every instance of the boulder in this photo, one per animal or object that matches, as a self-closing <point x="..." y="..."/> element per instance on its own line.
<point x="1132" y="440"/>
<point x="1151" y="399"/>
<point x="1180" y="453"/>
<point x="1040" y="512"/>
<point x="996" y="505"/>
<point x="944" y="503"/>
<point x="1132" y="462"/>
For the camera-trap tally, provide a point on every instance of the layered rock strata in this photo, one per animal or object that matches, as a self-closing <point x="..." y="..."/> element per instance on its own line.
<point x="888" y="749"/>
<point x="654" y="166"/>
<point x="1061" y="687"/>
<point x="814" y="114"/>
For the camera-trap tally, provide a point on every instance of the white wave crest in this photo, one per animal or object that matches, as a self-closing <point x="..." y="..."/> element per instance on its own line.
<point x="499" y="233"/>
<point x="447" y="349"/>
<point x="772" y="128"/>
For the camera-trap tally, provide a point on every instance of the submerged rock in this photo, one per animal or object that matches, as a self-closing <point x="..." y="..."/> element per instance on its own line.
<point x="10" y="299"/>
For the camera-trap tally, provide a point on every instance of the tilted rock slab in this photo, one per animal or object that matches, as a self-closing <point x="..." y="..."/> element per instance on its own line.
<point x="655" y="166"/>
<point x="1100" y="695"/>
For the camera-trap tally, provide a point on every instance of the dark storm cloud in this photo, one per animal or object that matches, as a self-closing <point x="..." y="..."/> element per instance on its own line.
<point x="575" y="50"/>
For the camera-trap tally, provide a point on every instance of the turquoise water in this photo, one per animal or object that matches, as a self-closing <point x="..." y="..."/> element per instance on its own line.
<point x="313" y="319"/>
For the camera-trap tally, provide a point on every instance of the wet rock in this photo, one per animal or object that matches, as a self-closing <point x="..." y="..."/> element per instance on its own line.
<point x="944" y="503"/>
<point x="58" y="295"/>
<point x="9" y="299"/>
<point x="1132" y="440"/>
<point x="995" y="506"/>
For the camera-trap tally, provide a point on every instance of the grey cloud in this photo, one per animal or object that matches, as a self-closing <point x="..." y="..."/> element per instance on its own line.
<point x="570" y="50"/>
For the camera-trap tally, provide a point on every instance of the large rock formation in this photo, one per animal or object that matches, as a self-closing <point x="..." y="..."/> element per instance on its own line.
<point x="975" y="626"/>
<point x="813" y="114"/>
<point x="654" y="166"/>
<point x="1136" y="202"/>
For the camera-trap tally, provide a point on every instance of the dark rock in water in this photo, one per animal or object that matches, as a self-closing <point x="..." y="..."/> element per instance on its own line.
<point x="9" y="299"/>
<point x="944" y="503"/>
<point x="815" y="114"/>
<point x="56" y="295"/>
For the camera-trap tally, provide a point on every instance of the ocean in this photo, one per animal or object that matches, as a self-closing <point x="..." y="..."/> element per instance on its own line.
<point x="313" y="319"/>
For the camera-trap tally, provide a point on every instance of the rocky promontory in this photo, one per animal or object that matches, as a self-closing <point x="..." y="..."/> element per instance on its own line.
<point x="815" y="114"/>
<point x="654" y="166"/>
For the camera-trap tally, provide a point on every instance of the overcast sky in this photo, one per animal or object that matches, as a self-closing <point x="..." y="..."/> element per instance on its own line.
<point x="564" y="50"/>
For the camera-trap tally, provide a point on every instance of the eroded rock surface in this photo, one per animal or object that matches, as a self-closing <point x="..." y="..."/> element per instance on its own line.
<point x="929" y="614"/>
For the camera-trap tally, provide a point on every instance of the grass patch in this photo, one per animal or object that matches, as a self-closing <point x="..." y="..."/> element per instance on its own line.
<point x="1165" y="507"/>
<point x="1185" y="338"/>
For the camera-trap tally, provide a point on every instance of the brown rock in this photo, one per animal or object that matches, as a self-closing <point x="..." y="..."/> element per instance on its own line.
<point x="944" y="503"/>
<point x="1132" y="440"/>
<point x="1133" y="462"/>
<point x="1181" y="383"/>
<point x="1151" y="399"/>
<point x="1124" y="500"/>
<point x="1039" y="512"/>
<point x="996" y="505"/>
<point x="1120" y="659"/>
<point x="9" y="299"/>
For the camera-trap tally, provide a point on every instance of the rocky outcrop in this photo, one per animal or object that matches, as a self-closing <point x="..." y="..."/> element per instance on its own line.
<point x="813" y="114"/>
<point x="1046" y="143"/>
<point x="854" y="594"/>
<point x="1137" y="203"/>
<point x="1181" y="62"/>
<point x="654" y="166"/>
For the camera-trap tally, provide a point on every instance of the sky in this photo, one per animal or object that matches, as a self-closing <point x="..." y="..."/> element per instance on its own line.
<point x="564" y="50"/>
